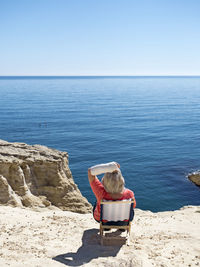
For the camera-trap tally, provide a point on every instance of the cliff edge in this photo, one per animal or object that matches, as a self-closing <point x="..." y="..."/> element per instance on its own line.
<point x="38" y="176"/>
<point x="62" y="238"/>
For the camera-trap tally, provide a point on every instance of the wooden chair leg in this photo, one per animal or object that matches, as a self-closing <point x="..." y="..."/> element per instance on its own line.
<point x="129" y="227"/>
<point x="128" y="234"/>
<point x="101" y="229"/>
<point x="101" y="233"/>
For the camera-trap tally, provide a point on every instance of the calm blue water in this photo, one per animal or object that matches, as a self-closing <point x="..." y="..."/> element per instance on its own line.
<point x="151" y="126"/>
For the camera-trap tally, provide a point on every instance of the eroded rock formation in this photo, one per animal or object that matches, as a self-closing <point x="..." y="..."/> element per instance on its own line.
<point x="195" y="177"/>
<point x="38" y="176"/>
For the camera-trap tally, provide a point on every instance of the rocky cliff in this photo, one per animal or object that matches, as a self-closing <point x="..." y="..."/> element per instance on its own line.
<point x="195" y="177"/>
<point x="38" y="176"/>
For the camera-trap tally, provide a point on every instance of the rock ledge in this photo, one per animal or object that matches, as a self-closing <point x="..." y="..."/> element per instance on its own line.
<point x="36" y="175"/>
<point x="195" y="177"/>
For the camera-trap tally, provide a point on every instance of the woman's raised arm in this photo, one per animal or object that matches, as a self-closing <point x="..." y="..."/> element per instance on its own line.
<point x="90" y="176"/>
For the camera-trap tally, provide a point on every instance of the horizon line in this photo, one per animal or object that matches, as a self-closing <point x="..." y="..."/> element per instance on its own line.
<point x="99" y="76"/>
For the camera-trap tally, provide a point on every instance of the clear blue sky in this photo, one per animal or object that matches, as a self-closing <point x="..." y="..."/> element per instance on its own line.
<point x="99" y="37"/>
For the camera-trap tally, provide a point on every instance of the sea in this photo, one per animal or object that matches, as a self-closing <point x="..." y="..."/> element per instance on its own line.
<point x="149" y="125"/>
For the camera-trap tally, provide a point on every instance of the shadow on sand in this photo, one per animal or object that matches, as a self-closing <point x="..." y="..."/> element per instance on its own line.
<point x="90" y="249"/>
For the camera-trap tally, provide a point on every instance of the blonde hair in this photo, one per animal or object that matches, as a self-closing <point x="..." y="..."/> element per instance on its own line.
<point x="113" y="182"/>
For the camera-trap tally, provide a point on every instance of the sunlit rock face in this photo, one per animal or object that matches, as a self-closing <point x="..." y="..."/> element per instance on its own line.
<point x="195" y="177"/>
<point x="36" y="175"/>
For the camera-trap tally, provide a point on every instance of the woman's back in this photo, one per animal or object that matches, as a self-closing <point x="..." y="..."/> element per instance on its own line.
<point x="100" y="192"/>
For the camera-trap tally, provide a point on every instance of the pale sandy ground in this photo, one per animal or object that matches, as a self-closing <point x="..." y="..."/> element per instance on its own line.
<point x="58" y="238"/>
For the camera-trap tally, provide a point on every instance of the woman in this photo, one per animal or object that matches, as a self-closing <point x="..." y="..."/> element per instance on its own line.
<point x="110" y="188"/>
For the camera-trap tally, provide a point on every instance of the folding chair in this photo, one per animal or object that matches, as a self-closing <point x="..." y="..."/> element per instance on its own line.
<point x="116" y="214"/>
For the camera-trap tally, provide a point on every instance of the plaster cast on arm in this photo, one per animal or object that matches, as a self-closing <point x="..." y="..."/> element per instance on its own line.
<point x="103" y="168"/>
